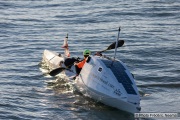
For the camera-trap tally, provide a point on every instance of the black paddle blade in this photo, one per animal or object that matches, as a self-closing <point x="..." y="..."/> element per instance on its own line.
<point x="113" y="45"/>
<point x="56" y="71"/>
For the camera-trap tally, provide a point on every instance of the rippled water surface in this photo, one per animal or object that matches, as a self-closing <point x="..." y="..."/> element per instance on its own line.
<point x="151" y="30"/>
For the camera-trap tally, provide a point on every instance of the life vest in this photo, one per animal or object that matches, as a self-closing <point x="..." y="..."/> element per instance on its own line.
<point x="81" y="64"/>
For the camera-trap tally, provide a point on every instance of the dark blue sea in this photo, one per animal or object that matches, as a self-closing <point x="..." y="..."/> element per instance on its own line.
<point x="150" y="28"/>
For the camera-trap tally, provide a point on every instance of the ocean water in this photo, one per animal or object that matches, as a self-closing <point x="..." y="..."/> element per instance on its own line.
<point x="151" y="30"/>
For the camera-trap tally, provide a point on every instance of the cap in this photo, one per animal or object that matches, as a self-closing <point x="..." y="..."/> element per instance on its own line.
<point x="86" y="52"/>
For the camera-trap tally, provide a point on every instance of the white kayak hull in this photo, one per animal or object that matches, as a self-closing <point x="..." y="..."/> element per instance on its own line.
<point x="120" y="104"/>
<point x="100" y="81"/>
<point x="110" y="84"/>
<point x="52" y="59"/>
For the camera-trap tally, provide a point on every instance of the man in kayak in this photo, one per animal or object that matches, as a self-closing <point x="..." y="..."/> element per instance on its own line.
<point x="79" y="65"/>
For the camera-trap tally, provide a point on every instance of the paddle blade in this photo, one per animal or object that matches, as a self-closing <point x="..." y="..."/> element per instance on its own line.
<point x="113" y="45"/>
<point x="56" y="71"/>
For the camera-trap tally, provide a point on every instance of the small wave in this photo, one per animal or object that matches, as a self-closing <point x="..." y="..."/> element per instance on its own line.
<point x="44" y="71"/>
<point x="29" y="20"/>
<point x="59" y="84"/>
<point x="143" y="94"/>
<point x="166" y="85"/>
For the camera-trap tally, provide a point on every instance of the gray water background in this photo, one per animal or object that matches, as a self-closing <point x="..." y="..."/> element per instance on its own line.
<point x="151" y="30"/>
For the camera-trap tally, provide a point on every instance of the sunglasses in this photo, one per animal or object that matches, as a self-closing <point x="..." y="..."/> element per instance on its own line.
<point x="86" y="56"/>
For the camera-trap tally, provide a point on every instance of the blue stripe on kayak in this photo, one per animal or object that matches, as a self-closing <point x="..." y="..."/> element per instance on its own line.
<point x="119" y="71"/>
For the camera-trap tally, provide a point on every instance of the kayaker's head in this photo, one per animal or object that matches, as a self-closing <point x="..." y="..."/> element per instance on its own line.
<point x="86" y="53"/>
